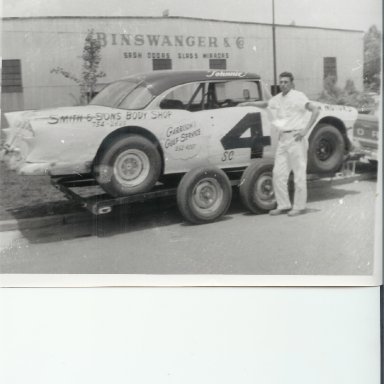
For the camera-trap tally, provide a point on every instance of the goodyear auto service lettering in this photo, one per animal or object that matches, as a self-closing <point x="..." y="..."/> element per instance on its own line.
<point x="183" y="140"/>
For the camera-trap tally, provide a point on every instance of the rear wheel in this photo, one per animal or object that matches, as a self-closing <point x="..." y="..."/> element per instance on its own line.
<point x="130" y="164"/>
<point x="204" y="194"/>
<point x="326" y="149"/>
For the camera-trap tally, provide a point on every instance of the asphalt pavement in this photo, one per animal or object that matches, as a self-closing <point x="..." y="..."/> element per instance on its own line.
<point x="334" y="237"/>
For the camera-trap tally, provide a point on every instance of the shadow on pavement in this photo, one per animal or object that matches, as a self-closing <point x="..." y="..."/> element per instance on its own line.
<point x="41" y="210"/>
<point x="151" y="214"/>
<point x="328" y="193"/>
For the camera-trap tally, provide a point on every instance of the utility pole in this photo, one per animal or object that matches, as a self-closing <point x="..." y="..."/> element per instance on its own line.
<point x="274" y="87"/>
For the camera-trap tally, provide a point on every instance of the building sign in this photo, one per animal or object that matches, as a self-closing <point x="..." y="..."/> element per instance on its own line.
<point x="169" y="40"/>
<point x="166" y="45"/>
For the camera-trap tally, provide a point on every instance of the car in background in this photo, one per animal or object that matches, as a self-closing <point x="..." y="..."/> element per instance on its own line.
<point x="366" y="133"/>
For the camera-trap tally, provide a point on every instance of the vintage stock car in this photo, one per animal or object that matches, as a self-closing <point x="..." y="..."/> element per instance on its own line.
<point x="183" y="128"/>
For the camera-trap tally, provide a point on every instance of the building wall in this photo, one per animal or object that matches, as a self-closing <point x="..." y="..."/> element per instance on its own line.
<point x="302" y="50"/>
<point x="130" y="44"/>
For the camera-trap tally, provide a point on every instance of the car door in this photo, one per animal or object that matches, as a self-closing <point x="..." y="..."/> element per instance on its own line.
<point x="185" y="138"/>
<point x="238" y="133"/>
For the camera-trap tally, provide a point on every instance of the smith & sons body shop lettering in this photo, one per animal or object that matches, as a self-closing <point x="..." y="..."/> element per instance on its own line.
<point x="70" y="119"/>
<point x="105" y="117"/>
<point x="169" y="40"/>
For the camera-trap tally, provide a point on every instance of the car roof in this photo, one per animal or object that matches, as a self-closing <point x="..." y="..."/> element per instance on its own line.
<point x="160" y="81"/>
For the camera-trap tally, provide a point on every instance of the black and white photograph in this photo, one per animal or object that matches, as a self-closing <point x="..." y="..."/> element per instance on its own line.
<point x="180" y="143"/>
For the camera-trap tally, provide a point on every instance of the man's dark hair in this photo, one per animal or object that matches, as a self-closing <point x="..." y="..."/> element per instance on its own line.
<point x="287" y="74"/>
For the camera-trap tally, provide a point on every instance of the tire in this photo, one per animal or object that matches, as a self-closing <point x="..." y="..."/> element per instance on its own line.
<point x="204" y="194"/>
<point x="256" y="188"/>
<point x="326" y="150"/>
<point x="130" y="164"/>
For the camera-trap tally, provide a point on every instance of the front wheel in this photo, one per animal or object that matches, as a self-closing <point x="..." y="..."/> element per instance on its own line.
<point x="256" y="188"/>
<point x="204" y="194"/>
<point x="130" y="164"/>
<point x="326" y="149"/>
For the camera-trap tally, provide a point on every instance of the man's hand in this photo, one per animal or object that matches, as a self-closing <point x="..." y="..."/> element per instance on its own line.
<point x="299" y="135"/>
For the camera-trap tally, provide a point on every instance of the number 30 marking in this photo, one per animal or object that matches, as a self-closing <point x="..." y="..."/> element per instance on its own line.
<point x="256" y="141"/>
<point x="228" y="155"/>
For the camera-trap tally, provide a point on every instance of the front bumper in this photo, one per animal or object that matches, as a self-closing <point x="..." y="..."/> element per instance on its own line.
<point x="368" y="149"/>
<point x="368" y="154"/>
<point x="15" y="161"/>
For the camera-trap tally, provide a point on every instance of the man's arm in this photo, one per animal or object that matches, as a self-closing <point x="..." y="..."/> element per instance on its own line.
<point x="260" y="104"/>
<point x="315" y="114"/>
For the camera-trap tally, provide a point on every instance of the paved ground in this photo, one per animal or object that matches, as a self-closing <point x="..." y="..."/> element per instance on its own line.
<point x="335" y="237"/>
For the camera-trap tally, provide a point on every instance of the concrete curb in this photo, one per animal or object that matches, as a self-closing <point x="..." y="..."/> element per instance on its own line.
<point x="77" y="217"/>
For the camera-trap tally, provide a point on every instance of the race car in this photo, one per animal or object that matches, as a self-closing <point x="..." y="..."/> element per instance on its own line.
<point x="158" y="126"/>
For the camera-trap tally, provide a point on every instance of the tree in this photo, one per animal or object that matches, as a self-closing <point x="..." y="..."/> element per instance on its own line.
<point x="331" y="93"/>
<point x="349" y="95"/>
<point x="90" y="68"/>
<point x="372" y="59"/>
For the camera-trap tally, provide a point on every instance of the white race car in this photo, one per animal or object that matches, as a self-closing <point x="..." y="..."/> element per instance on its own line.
<point x="159" y="126"/>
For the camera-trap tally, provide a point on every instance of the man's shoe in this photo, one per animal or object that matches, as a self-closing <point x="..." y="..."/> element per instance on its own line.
<point x="295" y="212"/>
<point x="278" y="211"/>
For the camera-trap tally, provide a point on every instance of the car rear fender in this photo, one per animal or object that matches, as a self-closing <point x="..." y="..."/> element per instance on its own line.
<point x="129" y="130"/>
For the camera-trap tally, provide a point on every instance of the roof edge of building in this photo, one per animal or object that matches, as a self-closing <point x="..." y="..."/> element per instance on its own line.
<point x="179" y="17"/>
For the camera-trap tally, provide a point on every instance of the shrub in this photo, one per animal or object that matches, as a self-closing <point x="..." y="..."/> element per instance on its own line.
<point x="349" y="95"/>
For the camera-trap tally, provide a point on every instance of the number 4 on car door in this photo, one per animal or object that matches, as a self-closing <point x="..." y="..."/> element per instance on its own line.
<point x="256" y="141"/>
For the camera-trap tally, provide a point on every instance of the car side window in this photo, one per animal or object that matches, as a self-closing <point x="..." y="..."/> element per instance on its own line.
<point x="231" y="93"/>
<point x="187" y="96"/>
<point x="138" y="98"/>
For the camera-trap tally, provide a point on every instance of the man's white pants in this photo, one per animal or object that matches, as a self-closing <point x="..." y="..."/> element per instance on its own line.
<point x="291" y="155"/>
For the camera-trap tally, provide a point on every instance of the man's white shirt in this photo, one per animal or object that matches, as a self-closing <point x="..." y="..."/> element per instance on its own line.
<point x="289" y="111"/>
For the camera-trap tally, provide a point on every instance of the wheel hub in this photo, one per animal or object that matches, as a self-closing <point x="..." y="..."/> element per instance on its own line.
<point x="264" y="188"/>
<point x="324" y="150"/>
<point x="131" y="167"/>
<point x="207" y="195"/>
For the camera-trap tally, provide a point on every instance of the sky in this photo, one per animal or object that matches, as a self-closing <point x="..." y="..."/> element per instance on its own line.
<point x="343" y="14"/>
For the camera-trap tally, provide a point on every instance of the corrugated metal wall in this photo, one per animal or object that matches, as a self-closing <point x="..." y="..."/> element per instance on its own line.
<point x="130" y="44"/>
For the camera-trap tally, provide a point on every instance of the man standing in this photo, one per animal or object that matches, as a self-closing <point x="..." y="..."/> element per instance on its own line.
<point x="289" y="109"/>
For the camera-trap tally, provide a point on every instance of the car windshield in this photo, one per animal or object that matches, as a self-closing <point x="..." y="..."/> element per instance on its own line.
<point x="123" y="94"/>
